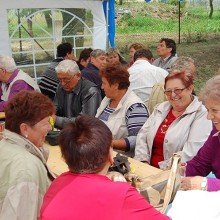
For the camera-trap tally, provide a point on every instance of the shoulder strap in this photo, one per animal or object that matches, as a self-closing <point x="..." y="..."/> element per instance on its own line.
<point x="171" y="181"/>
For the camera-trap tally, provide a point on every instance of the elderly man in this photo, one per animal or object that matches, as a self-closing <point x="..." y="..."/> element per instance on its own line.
<point x="74" y="95"/>
<point x="49" y="82"/>
<point x="144" y="75"/>
<point x="166" y="50"/>
<point x="91" y="72"/>
<point x="13" y="81"/>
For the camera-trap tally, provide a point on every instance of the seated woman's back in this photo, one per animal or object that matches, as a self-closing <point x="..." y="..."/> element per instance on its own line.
<point x="85" y="192"/>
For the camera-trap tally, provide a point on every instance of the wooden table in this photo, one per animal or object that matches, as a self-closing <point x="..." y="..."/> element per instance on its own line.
<point x="58" y="166"/>
<point x="2" y="115"/>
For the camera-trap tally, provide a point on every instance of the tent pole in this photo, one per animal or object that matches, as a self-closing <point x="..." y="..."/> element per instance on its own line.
<point x="107" y="24"/>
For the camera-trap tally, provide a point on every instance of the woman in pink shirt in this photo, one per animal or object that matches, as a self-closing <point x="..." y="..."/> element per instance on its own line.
<point x="85" y="192"/>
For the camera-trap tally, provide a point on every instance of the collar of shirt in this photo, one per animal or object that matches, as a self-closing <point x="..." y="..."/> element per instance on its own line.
<point x="14" y="74"/>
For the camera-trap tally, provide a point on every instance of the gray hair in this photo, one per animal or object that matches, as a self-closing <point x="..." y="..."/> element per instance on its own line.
<point x="7" y="63"/>
<point x="97" y="53"/>
<point x="211" y="90"/>
<point x="67" y="66"/>
<point x="183" y="64"/>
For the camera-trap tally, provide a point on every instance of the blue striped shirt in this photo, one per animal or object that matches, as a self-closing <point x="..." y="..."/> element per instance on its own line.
<point x="135" y="117"/>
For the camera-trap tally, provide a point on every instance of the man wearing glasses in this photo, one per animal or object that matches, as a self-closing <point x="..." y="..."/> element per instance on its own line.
<point x="49" y="82"/>
<point x="74" y="94"/>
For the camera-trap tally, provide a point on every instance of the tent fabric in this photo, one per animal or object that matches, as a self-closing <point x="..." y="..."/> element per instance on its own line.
<point x="96" y="7"/>
<point x="109" y="9"/>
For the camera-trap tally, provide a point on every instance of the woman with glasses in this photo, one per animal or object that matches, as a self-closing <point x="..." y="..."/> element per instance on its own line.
<point x="202" y="192"/>
<point x="177" y="125"/>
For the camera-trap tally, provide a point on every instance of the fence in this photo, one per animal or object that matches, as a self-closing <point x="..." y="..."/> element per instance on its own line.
<point x="148" y="22"/>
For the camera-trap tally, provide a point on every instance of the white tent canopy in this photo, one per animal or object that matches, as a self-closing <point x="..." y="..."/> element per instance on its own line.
<point x="99" y="28"/>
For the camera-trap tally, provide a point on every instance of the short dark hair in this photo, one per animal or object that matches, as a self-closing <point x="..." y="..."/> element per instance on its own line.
<point x="85" y="144"/>
<point x="186" y="79"/>
<point x="63" y="49"/>
<point x="170" y="43"/>
<point x="85" y="54"/>
<point x="28" y="107"/>
<point x="143" y="53"/>
<point x="116" y="74"/>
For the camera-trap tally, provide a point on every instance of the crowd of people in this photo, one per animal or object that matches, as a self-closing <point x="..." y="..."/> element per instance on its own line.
<point x="145" y="108"/>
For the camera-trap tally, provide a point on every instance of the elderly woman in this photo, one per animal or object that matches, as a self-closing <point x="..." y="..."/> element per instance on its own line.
<point x="177" y="125"/>
<point x="122" y="111"/>
<point x="24" y="174"/>
<point x="207" y="159"/>
<point x="114" y="56"/>
<point x="85" y="192"/>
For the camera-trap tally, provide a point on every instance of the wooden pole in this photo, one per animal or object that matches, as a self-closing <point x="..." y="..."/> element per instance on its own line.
<point x="179" y="24"/>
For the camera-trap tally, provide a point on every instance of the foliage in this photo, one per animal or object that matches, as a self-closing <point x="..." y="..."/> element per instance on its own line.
<point x="176" y="2"/>
<point x="193" y="20"/>
<point x="148" y="23"/>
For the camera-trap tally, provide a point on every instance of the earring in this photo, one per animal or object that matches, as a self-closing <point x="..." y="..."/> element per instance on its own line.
<point x="26" y="135"/>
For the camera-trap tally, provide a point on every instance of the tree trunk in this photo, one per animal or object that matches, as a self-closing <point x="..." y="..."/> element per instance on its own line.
<point x="211" y="8"/>
<point x="120" y="2"/>
<point x="30" y="27"/>
<point x="75" y="27"/>
<point x="48" y="18"/>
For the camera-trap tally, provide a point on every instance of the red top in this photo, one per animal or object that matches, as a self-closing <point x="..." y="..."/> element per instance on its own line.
<point x="157" y="150"/>
<point x="131" y="63"/>
<point x="94" y="197"/>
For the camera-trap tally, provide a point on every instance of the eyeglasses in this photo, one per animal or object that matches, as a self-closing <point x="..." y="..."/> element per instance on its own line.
<point x="176" y="91"/>
<point x="65" y="80"/>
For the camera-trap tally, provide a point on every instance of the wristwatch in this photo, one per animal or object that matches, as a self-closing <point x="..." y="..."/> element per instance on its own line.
<point x="203" y="184"/>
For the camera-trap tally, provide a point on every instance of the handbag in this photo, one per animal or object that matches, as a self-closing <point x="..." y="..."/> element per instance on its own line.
<point x="52" y="137"/>
<point x="120" y="164"/>
<point x="159" y="189"/>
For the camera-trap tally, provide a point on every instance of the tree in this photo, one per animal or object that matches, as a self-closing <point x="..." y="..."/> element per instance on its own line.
<point x="75" y="26"/>
<point x="120" y="2"/>
<point x="47" y="15"/>
<point x="211" y="8"/>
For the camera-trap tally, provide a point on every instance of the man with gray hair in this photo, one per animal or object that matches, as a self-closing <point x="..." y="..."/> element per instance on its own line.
<point x="157" y="95"/>
<point x="74" y="95"/>
<point x="91" y="72"/>
<point x="12" y="81"/>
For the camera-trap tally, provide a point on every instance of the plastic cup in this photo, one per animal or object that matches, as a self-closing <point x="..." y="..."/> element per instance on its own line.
<point x="182" y="169"/>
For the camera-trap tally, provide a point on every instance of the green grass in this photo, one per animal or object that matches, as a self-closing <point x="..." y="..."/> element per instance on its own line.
<point x="192" y="20"/>
<point x="148" y="22"/>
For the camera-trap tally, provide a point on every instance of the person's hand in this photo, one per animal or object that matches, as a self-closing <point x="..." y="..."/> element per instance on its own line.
<point x="191" y="183"/>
